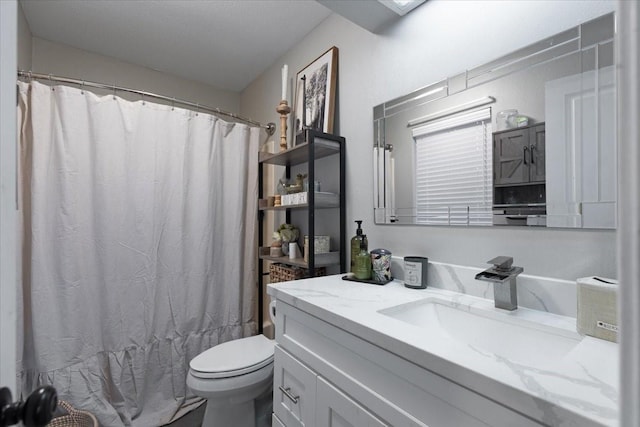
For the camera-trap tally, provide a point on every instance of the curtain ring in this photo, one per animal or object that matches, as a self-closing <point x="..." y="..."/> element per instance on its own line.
<point x="114" y="91"/>
<point x="173" y="103"/>
<point x="82" y="88"/>
<point x="142" y="93"/>
<point x="197" y="109"/>
<point x="51" y="81"/>
<point x="30" y="76"/>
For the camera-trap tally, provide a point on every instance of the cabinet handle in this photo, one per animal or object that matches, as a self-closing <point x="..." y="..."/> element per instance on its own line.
<point x="287" y="392"/>
<point x="524" y="154"/>
<point x="531" y="148"/>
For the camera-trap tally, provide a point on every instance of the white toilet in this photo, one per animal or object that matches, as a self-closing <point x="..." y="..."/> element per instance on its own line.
<point x="231" y="376"/>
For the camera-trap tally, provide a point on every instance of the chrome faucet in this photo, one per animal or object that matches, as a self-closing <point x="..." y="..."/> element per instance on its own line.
<point x="505" y="294"/>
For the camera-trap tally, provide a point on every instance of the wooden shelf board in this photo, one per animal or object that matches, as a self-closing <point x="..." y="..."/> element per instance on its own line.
<point x="298" y="262"/>
<point x="300" y="206"/>
<point x="298" y="154"/>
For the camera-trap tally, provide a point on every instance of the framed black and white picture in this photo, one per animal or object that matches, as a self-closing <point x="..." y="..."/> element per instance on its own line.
<point x="315" y="95"/>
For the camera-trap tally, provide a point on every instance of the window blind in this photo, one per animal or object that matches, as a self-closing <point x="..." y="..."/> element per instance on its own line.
<point x="454" y="173"/>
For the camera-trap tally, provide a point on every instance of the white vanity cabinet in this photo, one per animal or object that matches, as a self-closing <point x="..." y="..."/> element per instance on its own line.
<point x="326" y="376"/>
<point x="302" y="398"/>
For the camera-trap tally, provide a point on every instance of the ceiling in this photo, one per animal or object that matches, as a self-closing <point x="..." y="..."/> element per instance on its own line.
<point x="224" y="43"/>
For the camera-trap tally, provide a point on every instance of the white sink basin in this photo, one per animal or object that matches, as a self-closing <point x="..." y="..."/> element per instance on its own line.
<point x="496" y="333"/>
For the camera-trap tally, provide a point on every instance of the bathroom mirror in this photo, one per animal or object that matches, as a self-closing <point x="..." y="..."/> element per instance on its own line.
<point x="454" y="152"/>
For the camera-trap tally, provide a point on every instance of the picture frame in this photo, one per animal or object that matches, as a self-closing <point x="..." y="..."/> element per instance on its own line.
<point x="319" y="79"/>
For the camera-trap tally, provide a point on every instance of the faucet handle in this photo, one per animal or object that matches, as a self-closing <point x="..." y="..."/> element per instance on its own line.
<point x="501" y="262"/>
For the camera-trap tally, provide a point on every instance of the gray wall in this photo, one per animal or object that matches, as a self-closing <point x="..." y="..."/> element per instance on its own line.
<point x="62" y="60"/>
<point x="24" y="41"/>
<point x="8" y="212"/>
<point x="437" y="40"/>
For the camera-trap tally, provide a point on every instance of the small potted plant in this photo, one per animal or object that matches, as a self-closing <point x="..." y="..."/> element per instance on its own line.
<point x="285" y="234"/>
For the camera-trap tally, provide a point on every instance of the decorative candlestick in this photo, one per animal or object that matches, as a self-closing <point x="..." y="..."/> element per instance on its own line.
<point x="284" y="110"/>
<point x="285" y="78"/>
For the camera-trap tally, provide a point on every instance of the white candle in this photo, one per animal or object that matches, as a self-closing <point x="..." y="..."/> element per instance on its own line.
<point x="285" y="77"/>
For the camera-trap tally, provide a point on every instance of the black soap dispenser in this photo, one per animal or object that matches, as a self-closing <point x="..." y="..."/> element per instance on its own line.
<point x="356" y="243"/>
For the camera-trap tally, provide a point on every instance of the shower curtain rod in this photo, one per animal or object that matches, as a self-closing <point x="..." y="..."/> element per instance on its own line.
<point x="269" y="127"/>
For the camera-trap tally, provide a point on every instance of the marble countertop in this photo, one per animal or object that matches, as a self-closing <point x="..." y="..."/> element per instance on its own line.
<point x="581" y="389"/>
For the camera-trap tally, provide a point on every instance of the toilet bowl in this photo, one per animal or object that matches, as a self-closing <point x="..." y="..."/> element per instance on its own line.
<point x="231" y="376"/>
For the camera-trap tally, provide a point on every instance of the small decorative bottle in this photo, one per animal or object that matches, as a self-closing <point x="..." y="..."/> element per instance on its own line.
<point x="362" y="267"/>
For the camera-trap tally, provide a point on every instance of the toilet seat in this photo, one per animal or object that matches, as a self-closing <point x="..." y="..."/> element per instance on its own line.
<point x="233" y="358"/>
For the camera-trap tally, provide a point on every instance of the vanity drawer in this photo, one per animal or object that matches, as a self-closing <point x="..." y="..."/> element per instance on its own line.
<point x="294" y="390"/>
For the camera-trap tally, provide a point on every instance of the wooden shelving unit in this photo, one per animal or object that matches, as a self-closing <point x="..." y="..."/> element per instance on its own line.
<point x="318" y="145"/>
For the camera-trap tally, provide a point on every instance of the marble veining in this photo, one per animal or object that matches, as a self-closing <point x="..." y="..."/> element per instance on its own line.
<point x="577" y="388"/>
<point x="531" y="378"/>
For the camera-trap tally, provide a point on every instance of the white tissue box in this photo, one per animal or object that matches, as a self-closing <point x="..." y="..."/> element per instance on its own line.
<point x="289" y="199"/>
<point x="598" y="308"/>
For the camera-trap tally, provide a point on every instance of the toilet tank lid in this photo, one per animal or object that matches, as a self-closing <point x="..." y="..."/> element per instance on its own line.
<point x="234" y="355"/>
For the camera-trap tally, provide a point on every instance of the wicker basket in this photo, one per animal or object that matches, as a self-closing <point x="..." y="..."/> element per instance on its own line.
<point x="73" y="418"/>
<point x="283" y="272"/>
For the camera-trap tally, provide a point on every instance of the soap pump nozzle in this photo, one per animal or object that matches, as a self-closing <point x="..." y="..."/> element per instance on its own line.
<point x="359" y="230"/>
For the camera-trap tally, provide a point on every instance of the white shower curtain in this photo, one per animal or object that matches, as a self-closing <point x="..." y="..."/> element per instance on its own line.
<point x="138" y="244"/>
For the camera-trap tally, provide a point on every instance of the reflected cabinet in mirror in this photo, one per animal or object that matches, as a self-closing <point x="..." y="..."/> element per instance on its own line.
<point x="528" y="139"/>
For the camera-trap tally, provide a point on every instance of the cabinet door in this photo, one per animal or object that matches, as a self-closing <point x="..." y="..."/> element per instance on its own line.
<point x="511" y="157"/>
<point x="275" y="421"/>
<point x="536" y="151"/>
<point x="294" y="390"/>
<point x="336" y="409"/>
